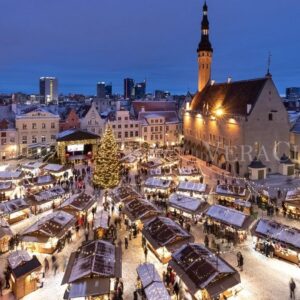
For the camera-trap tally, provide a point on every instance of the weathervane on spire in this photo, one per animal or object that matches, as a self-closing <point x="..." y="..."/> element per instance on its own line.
<point x="269" y="64"/>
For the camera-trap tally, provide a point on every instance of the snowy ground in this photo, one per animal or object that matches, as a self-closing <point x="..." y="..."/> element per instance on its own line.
<point x="262" y="278"/>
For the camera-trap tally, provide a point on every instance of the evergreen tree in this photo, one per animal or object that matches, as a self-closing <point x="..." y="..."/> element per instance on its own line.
<point x="107" y="166"/>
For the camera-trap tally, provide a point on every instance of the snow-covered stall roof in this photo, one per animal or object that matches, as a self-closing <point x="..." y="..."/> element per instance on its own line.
<point x="49" y="194"/>
<point x="55" y="168"/>
<point x="78" y="202"/>
<point x="200" y="268"/>
<point x="153" y="182"/>
<point x="189" y="204"/>
<point x="188" y="171"/>
<point x="162" y="231"/>
<point x="189" y="186"/>
<point x="140" y="209"/>
<point x="234" y="190"/>
<point x="101" y="220"/>
<point x="18" y="257"/>
<point x="5" y="229"/>
<point x="124" y="193"/>
<point x="278" y="232"/>
<point x="155" y="172"/>
<point x="32" y="165"/>
<point x="98" y="258"/>
<point x="227" y="216"/>
<point x="153" y="286"/>
<point x="6" y="186"/>
<point x="10" y="175"/>
<point x="12" y="206"/>
<point x="153" y="163"/>
<point x="52" y="225"/>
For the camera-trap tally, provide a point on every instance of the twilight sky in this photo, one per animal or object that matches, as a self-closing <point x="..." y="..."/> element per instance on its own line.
<point x="85" y="41"/>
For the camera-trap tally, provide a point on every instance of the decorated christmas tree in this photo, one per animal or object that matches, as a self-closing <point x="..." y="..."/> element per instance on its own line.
<point x="107" y="166"/>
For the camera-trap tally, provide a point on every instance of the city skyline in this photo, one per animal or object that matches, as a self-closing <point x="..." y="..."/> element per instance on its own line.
<point x="158" y="43"/>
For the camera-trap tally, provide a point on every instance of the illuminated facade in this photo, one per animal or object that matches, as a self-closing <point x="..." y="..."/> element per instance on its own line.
<point x="230" y="123"/>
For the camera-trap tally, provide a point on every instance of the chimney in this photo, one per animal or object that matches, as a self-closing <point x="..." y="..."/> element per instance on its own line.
<point x="143" y="109"/>
<point x="229" y="79"/>
<point x="212" y="82"/>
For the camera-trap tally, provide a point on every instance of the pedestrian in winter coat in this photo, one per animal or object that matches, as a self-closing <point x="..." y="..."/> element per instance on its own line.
<point x="238" y="258"/>
<point x="206" y="241"/>
<point x="126" y="242"/>
<point x="146" y="253"/>
<point x="241" y="262"/>
<point x="46" y="265"/>
<point x="292" y="288"/>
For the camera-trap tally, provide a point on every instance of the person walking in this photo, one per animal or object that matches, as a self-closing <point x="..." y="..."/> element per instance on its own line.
<point x="206" y="241"/>
<point x="241" y="262"/>
<point x="292" y="288"/>
<point x="46" y="265"/>
<point x="238" y="258"/>
<point x="126" y="242"/>
<point x="146" y="253"/>
<point x="86" y="233"/>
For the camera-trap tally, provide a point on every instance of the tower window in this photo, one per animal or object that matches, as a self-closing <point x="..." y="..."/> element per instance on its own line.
<point x="270" y="117"/>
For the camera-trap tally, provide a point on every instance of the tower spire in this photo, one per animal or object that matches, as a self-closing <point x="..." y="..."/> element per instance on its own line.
<point x="204" y="51"/>
<point x="269" y="65"/>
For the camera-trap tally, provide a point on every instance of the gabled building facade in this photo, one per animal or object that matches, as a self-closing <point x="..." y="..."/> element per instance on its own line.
<point x="37" y="130"/>
<point x="92" y="122"/>
<point x="229" y="124"/>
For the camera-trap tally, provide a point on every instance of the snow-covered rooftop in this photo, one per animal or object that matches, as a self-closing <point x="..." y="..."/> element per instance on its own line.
<point x="231" y="190"/>
<point x="153" y="286"/>
<point x="188" y="170"/>
<point x="279" y="232"/>
<point x="227" y="215"/>
<point x="185" y="203"/>
<point x="10" y="175"/>
<point x="54" y="168"/>
<point x="201" y="265"/>
<point x="17" y="258"/>
<point x="192" y="186"/>
<point x="50" y="194"/>
<point x="157" y="183"/>
<point x="97" y="258"/>
<point x="101" y="220"/>
<point x="33" y="165"/>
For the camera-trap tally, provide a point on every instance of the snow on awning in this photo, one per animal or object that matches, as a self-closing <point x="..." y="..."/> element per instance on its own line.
<point x="157" y="183"/>
<point x="270" y="229"/>
<point x="192" y="186"/>
<point x="189" y="204"/>
<point x="153" y="286"/>
<point x="227" y="216"/>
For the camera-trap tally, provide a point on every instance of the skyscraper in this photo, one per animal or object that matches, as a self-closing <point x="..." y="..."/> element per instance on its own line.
<point x="140" y="90"/>
<point x="101" y="92"/>
<point x="128" y="88"/>
<point x="108" y="90"/>
<point x="49" y="89"/>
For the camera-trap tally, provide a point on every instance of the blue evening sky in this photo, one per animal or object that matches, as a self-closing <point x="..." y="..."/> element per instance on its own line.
<point x="85" y="41"/>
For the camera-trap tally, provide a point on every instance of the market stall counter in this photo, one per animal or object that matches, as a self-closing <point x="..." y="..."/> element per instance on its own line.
<point x="164" y="236"/>
<point x="187" y="206"/>
<point x="49" y="233"/>
<point x="227" y="223"/>
<point x="275" y="239"/>
<point x="14" y="211"/>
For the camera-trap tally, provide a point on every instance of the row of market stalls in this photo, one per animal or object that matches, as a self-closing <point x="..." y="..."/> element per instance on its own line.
<point x="34" y="176"/>
<point x="17" y="210"/>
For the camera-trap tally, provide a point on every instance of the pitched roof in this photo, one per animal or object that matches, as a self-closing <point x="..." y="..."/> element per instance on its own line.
<point x="233" y="97"/>
<point x="169" y="116"/>
<point x="75" y="135"/>
<point x="153" y="106"/>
